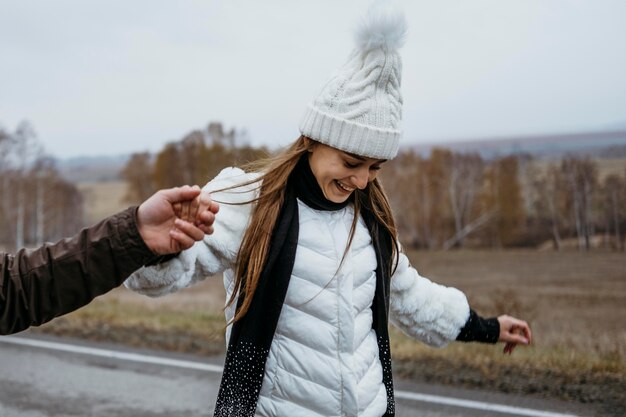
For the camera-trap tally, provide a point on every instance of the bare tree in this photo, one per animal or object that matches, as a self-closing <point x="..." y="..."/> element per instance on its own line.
<point x="34" y="196"/>
<point x="614" y="193"/>
<point x="403" y="180"/>
<point x="168" y="167"/>
<point x="43" y="170"/>
<point x="550" y="202"/>
<point x="5" y="180"/>
<point x="581" y="181"/>
<point x="466" y="180"/>
<point x="138" y="173"/>
<point x="5" y="148"/>
<point x="192" y="151"/>
<point x="503" y="198"/>
<point x="27" y="150"/>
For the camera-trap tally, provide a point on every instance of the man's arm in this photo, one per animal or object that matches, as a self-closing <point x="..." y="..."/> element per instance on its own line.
<point x="41" y="284"/>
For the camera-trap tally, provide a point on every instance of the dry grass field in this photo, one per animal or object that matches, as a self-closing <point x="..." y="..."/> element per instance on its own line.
<point x="102" y="199"/>
<point x="575" y="303"/>
<point x="574" y="300"/>
<point x="611" y="166"/>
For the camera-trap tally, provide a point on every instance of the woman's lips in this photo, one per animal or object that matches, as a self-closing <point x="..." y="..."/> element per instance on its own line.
<point x="343" y="187"/>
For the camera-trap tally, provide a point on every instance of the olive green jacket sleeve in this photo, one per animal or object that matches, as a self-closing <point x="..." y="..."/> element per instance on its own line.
<point x="41" y="284"/>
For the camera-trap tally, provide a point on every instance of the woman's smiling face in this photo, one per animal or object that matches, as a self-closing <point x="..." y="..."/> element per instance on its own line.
<point x="339" y="173"/>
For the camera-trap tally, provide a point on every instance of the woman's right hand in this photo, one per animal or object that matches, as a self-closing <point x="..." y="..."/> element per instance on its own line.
<point x="513" y="332"/>
<point x="200" y="211"/>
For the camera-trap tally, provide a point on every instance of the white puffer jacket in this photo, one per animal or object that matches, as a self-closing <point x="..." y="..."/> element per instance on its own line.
<point x="323" y="359"/>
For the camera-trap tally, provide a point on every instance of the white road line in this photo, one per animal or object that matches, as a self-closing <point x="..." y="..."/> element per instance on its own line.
<point x="477" y="405"/>
<point x="134" y="357"/>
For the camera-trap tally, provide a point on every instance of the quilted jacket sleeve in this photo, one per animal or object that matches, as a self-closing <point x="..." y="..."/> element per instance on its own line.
<point x="216" y="253"/>
<point x="424" y="310"/>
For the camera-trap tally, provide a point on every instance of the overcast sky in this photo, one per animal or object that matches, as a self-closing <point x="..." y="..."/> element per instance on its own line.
<point x="108" y="77"/>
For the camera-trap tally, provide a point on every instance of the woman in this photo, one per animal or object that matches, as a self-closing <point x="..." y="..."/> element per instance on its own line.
<point x="312" y="267"/>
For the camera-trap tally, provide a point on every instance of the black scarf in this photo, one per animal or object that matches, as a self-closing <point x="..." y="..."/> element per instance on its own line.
<point x="251" y="336"/>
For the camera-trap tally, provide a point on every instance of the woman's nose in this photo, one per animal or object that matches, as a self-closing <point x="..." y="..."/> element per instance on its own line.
<point x="361" y="178"/>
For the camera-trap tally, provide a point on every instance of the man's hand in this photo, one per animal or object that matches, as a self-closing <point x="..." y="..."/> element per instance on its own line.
<point x="160" y="226"/>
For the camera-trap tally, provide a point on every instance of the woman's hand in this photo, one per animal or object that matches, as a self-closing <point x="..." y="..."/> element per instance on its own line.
<point x="513" y="332"/>
<point x="200" y="211"/>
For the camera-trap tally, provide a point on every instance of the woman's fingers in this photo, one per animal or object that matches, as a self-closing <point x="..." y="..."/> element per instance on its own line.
<point x="518" y="335"/>
<point x="508" y="348"/>
<point x="205" y="218"/>
<point x="203" y="204"/>
<point x="200" y="210"/>
<point x="214" y="207"/>
<point x="181" y="240"/>
<point x="513" y="332"/>
<point x="206" y="213"/>
<point x="527" y="332"/>
<point x="184" y="215"/>
<point x="193" y="208"/>
<point x="178" y="209"/>
<point x="521" y="332"/>
<point x="189" y="229"/>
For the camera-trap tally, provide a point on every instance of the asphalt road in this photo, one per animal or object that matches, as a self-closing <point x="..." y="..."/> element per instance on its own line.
<point x="46" y="377"/>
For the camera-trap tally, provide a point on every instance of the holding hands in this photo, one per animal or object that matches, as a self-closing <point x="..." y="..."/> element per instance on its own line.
<point x="174" y="219"/>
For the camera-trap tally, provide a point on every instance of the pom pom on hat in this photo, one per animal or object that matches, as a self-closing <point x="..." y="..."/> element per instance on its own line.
<point x="383" y="26"/>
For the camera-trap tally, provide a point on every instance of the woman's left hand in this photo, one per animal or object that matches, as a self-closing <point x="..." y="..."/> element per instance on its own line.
<point x="513" y="332"/>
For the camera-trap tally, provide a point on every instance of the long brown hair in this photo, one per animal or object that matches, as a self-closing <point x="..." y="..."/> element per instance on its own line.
<point x="255" y="245"/>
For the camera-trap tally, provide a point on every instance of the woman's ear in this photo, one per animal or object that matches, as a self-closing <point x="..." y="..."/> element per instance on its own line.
<point x="309" y="143"/>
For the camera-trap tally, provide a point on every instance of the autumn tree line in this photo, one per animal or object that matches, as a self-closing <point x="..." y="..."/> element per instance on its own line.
<point x="451" y="199"/>
<point x="195" y="159"/>
<point x="36" y="204"/>
<point x="441" y="201"/>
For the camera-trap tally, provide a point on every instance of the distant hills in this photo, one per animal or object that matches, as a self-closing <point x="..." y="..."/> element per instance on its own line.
<point x="611" y="144"/>
<point x="83" y="169"/>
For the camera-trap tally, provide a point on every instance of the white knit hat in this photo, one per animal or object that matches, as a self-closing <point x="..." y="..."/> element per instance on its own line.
<point x="360" y="108"/>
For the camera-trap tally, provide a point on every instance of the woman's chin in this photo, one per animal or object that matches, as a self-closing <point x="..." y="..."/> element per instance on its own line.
<point x="337" y="197"/>
<point x="339" y="200"/>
